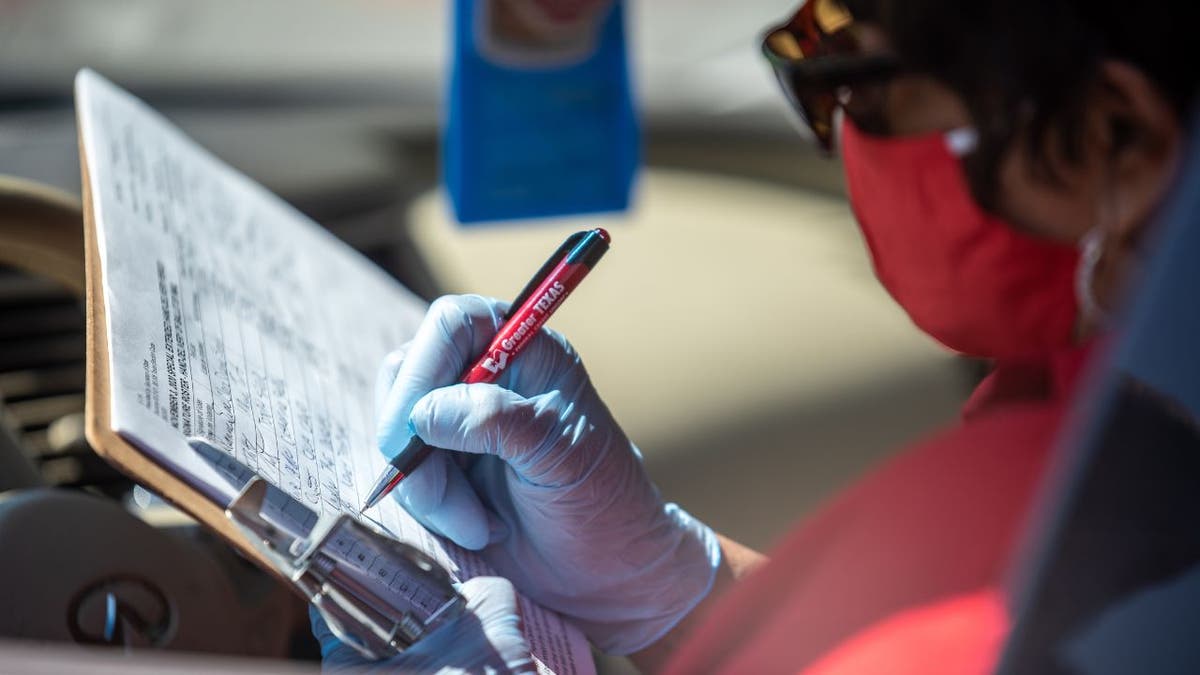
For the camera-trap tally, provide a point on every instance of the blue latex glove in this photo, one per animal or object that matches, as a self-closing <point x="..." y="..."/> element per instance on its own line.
<point x="485" y="639"/>
<point x="545" y="483"/>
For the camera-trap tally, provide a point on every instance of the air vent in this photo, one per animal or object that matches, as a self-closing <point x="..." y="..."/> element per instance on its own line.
<point x="41" y="382"/>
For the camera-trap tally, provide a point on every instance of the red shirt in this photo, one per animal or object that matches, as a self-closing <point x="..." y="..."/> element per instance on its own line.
<point x="905" y="571"/>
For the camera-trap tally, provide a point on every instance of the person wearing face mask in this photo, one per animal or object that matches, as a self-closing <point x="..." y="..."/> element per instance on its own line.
<point x="1003" y="160"/>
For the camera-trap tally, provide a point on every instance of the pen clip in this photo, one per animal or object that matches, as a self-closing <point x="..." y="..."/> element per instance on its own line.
<point x="546" y="268"/>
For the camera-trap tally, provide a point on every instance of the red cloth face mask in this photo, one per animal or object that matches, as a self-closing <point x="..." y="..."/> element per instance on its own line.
<point x="964" y="277"/>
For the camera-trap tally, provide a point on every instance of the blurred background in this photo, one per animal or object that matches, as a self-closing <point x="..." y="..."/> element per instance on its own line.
<point x="735" y="328"/>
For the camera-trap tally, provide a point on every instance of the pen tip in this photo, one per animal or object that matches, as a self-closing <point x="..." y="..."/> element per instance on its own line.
<point x="603" y="234"/>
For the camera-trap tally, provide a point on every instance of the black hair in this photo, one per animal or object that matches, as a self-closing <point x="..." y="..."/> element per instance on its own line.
<point x="1024" y="67"/>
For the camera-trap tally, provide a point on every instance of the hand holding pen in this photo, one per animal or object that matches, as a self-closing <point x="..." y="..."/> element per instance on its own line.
<point x="560" y="274"/>
<point x="554" y="496"/>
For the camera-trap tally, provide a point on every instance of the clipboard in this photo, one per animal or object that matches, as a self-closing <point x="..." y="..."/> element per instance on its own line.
<point x="318" y="566"/>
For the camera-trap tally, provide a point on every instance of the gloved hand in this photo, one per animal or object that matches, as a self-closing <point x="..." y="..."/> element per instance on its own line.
<point x="544" y="483"/>
<point x="486" y="638"/>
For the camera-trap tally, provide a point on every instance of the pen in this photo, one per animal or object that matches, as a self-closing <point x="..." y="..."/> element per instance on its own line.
<point x="560" y="274"/>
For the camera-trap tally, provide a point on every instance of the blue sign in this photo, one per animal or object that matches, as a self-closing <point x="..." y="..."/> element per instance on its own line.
<point x="540" y="119"/>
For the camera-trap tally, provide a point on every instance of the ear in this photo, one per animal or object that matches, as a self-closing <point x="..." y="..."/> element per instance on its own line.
<point x="1135" y="136"/>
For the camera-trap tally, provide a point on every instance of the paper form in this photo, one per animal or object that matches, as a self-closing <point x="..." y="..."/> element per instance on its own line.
<point x="234" y="318"/>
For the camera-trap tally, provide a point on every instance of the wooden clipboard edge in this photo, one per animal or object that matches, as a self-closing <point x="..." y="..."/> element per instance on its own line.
<point x="98" y="426"/>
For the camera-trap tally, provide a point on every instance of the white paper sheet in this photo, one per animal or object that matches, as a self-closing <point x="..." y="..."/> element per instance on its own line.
<point x="233" y="317"/>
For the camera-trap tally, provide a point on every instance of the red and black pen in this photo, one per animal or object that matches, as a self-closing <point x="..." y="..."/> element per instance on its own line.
<point x="561" y="273"/>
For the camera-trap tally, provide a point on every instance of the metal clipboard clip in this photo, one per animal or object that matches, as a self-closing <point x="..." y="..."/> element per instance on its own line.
<point x="377" y="594"/>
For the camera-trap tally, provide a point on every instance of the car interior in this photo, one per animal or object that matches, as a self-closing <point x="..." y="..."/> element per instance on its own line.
<point x="336" y="107"/>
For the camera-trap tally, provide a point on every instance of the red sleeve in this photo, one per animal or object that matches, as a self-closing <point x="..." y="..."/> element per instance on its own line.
<point x="907" y="566"/>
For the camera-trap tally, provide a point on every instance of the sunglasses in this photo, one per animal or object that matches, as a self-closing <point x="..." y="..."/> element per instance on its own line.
<point x="816" y="57"/>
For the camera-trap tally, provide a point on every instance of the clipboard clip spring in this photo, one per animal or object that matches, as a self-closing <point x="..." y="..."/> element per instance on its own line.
<point x="377" y="594"/>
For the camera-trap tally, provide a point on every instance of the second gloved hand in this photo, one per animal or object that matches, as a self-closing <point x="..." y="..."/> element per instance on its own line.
<point x="485" y="639"/>
<point x="552" y="493"/>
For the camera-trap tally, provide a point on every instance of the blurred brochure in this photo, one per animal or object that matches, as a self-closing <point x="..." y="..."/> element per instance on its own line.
<point x="225" y="314"/>
<point x="540" y="118"/>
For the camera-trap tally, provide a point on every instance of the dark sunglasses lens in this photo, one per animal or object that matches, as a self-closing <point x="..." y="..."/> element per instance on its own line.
<point x="813" y="31"/>
<point x="814" y="110"/>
